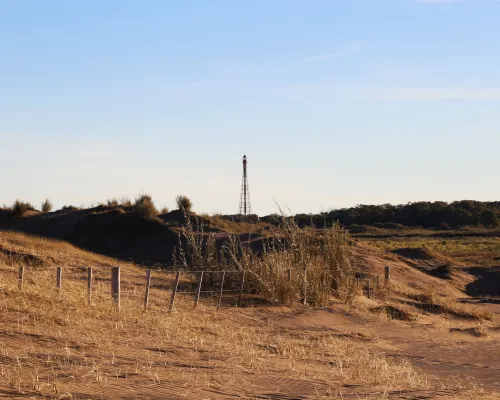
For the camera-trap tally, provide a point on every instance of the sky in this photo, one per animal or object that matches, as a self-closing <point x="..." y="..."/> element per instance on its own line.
<point x="335" y="103"/>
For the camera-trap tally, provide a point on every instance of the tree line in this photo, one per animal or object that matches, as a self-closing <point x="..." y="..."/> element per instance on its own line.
<point x="438" y="214"/>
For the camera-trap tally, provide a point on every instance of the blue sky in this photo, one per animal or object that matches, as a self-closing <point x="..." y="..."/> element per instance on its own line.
<point x="335" y="103"/>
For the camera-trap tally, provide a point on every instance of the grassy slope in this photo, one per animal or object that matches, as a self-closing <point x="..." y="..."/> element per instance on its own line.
<point x="54" y="345"/>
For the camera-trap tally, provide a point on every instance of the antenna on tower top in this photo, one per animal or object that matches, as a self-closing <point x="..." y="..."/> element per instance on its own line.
<point x="245" y="206"/>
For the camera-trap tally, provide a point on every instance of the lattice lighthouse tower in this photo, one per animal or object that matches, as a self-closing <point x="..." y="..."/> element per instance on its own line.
<point x="245" y="206"/>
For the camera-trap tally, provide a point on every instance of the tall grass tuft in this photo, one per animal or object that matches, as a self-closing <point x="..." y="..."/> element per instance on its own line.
<point x="20" y="208"/>
<point x="47" y="206"/>
<point x="145" y="206"/>
<point x="293" y="264"/>
<point x="184" y="203"/>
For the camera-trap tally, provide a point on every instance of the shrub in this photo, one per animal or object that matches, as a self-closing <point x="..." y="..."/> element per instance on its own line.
<point x="20" y="208"/>
<point x="46" y="206"/>
<point x="184" y="203"/>
<point x="145" y="206"/>
<point x="164" y="210"/>
<point x="70" y="208"/>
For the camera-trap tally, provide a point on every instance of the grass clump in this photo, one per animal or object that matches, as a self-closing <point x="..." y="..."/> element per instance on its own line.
<point x="20" y="208"/>
<point x="145" y="206"/>
<point x="293" y="264"/>
<point x="47" y="206"/>
<point x="115" y="202"/>
<point x="184" y="203"/>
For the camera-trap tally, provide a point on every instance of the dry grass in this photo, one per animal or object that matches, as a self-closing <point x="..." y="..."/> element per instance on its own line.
<point x="429" y="302"/>
<point x="184" y="203"/>
<point x="115" y="202"/>
<point x="53" y="344"/>
<point x="145" y="206"/>
<point x="20" y="208"/>
<point x="293" y="264"/>
<point x="471" y="251"/>
<point x="233" y="227"/>
<point x="46" y="206"/>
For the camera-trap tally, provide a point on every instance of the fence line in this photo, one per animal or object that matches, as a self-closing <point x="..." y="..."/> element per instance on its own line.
<point x="371" y="285"/>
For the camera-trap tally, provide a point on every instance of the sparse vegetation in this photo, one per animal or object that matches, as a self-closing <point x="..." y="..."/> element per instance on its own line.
<point x="145" y="206"/>
<point x="293" y="264"/>
<point x="20" y="208"/>
<point x="46" y="206"/>
<point x="99" y="347"/>
<point x="184" y="203"/>
<point x="459" y="251"/>
<point x="70" y="208"/>
<point x="113" y="202"/>
<point x="164" y="210"/>
<point x="126" y="202"/>
<point x="431" y="303"/>
<point x="116" y="202"/>
<point x="54" y="335"/>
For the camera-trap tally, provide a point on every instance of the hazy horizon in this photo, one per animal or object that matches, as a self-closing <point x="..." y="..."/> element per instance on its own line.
<point x="334" y="103"/>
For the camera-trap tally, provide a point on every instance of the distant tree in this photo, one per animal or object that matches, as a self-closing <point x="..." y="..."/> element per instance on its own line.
<point x="488" y="218"/>
<point x="463" y="217"/>
<point x="46" y="206"/>
<point x="184" y="203"/>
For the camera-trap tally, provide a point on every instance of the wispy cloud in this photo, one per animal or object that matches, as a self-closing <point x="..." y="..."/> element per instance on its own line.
<point x="431" y="94"/>
<point x="353" y="48"/>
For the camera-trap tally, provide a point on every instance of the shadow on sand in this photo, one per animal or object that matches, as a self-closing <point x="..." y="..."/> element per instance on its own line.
<point x="487" y="281"/>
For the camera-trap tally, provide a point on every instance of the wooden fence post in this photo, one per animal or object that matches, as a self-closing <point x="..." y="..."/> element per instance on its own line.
<point x="174" y="291"/>
<point x="21" y="277"/>
<point x="242" y="285"/>
<point x="378" y="282"/>
<point x="59" y="278"/>
<point x="115" y="286"/>
<point x="148" y="284"/>
<point x="387" y="274"/>
<point x="221" y="289"/>
<point x="198" y="290"/>
<point x="90" y="275"/>
<point x="304" y="288"/>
